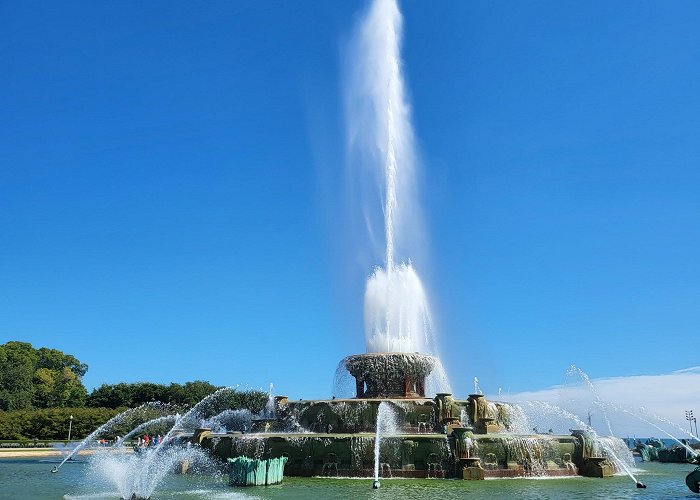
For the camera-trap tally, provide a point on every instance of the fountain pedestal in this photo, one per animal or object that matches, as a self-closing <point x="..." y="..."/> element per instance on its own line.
<point x="471" y="468"/>
<point x="466" y="465"/>
<point x="487" y="425"/>
<point x="390" y="375"/>
<point x="596" y="467"/>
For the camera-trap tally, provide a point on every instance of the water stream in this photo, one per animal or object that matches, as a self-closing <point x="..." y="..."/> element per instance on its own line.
<point x="138" y="429"/>
<point x="575" y="371"/>
<point x="386" y="426"/>
<point x="116" y="420"/>
<point x="642" y="419"/>
<point x="397" y="313"/>
<point x="624" y="465"/>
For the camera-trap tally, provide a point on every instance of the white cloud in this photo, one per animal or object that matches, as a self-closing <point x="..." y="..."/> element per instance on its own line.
<point x="627" y="401"/>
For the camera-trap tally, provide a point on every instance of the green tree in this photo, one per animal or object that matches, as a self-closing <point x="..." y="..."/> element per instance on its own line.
<point x="56" y="360"/>
<point x="18" y="362"/>
<point x="58" y="389"/>
<point x="39" y="378"/>
<point x="52" y="423"/>
<point x="181" y="395"/>
<point x="190" y="393"/>
<point x="111" y="396"/>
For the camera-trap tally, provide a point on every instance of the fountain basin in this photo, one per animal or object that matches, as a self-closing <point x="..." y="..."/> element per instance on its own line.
<point x="390" y="375"/>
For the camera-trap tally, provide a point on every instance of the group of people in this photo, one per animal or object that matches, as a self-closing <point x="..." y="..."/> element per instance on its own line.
<point x="146" y="441"/>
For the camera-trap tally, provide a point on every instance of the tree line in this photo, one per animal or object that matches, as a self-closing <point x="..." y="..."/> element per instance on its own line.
<point x="41" y="388"/>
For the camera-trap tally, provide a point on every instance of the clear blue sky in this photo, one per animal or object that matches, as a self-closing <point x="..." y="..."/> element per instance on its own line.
<point x="170" y="170"/>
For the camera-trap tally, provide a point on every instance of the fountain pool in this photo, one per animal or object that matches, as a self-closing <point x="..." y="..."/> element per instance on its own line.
<point x="662" y="479"/>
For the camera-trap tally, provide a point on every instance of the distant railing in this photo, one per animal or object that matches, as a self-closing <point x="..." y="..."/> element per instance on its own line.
<point x="33" y="444"/>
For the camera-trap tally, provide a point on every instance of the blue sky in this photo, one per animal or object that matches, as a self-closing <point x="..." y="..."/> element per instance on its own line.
<point x="171" y="179"/>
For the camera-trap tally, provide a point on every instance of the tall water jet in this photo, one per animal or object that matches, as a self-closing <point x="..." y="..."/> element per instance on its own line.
<point x="270" y="405"/>
<point x="397" y="311"/>
<point x="386" y="425"/>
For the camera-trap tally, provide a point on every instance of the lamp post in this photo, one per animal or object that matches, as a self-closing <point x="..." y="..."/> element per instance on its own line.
<point x="690" y="418"/>
<point x="70" y="426"/>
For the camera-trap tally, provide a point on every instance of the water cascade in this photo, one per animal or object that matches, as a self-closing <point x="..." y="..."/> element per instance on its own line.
<point x="532" y="452"/>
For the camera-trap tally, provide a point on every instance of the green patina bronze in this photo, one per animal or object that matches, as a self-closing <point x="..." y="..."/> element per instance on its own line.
<point x="692" y="480"/>
<point x="655" y="450"/>
<point x="253" y="472"/>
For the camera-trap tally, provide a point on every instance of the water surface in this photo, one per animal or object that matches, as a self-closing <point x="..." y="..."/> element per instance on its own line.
<point x="31" y="479"/>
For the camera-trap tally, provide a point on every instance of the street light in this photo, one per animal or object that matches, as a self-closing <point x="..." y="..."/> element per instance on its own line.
<point x="691" y="419"/>
<point x="70" y="425"/>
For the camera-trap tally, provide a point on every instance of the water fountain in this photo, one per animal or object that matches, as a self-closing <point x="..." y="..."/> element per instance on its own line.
<point x="402" y="419"/>
<point x="401" y="397"/>
<point x="140" y="411"/>
<point x="135" y="475"/>
<point x="438" y="436"/>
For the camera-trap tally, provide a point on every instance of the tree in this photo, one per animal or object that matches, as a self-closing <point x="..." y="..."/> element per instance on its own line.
<point x="17" y="365"/>
<point x="58" y="389"/>
<point x="191" y="393"/>
<point x="39" y="378"/>
<point x="180" y="395"/>
<point x="111" y="396"/>
<point x="56" y="360"/>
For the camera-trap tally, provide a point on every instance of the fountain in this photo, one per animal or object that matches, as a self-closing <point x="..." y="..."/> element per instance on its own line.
<point x="114" y="421"/>
<point x="402" y="419"/>
<point x="136" y="475"/>
<point x="402" y="406"/>
<point x="392" y="428"/>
